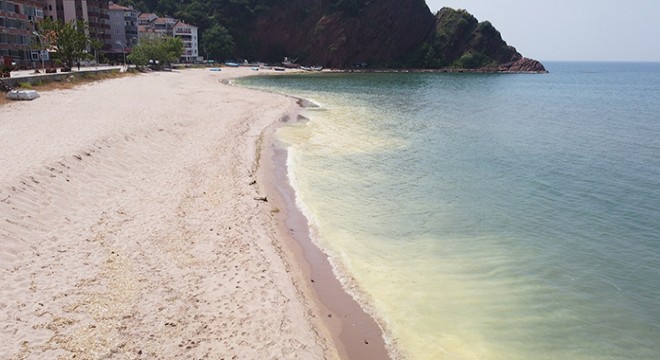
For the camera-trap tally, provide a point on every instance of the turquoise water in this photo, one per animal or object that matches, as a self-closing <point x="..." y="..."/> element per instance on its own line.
<point x="485" y="216"/>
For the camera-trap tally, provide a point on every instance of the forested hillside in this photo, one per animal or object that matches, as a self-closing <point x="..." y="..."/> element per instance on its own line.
<point x="339" y="33"/>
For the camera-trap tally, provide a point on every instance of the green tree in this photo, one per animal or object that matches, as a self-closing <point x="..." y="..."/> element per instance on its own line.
<point x="156" y="50"/>
<point x="96" y="44"/>
<point x="69" y="39"/>
<point x="217" y="42"/>
<point x="172" y="49"/>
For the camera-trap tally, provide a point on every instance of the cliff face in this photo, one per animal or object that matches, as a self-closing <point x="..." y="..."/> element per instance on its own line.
<point x="340" y="33"/>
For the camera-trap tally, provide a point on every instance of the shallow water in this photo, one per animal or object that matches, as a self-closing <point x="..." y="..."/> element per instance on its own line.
<point x="490" y="216"/>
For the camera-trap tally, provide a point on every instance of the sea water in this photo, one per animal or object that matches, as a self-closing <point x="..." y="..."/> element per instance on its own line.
<point x="489" y="216"/>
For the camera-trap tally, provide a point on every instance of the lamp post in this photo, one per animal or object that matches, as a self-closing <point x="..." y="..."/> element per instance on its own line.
<point x="41" y="55"/>
<point x="123" y="50"/>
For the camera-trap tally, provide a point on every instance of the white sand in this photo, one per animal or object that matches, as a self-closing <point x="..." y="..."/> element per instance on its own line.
<point x="129" y="226"/>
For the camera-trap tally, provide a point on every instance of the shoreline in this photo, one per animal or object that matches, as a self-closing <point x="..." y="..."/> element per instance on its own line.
<point x="357" y="335"/>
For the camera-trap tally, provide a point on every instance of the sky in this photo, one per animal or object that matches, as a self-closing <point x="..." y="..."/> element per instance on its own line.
<point x="572" y="30"/>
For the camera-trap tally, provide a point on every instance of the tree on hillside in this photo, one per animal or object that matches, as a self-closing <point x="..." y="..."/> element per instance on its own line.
<point x="157" y="50"/>
<point x="69" y="39"/>
<point x="217" y="43"/>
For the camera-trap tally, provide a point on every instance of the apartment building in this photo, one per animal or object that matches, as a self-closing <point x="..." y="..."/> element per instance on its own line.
<point x="188" y="34"/>
<point x="123" y="27"/>
<point x="17" y="20"/>
<point x="94" y="12"/>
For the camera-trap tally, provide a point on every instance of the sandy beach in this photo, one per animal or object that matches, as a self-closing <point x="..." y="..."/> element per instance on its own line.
<point x="134" y="226"/>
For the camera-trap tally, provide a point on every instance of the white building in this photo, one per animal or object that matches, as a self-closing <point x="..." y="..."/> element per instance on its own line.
<point x="188" y="34"/>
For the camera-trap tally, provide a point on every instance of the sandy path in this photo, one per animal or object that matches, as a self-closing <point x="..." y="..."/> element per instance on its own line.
<point x="129" y="226"/>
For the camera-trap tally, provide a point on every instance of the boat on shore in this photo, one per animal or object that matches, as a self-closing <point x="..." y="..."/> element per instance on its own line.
<point x="22" y="95"/>
<point x="312" y="68"/>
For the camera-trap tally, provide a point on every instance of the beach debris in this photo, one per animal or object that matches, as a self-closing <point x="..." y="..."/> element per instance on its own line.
<point x="261" y="198"/>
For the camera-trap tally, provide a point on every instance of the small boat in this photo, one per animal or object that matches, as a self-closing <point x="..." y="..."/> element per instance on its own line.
<point x="22" y="95"/>
<point x="215" y="69"/>
<point x="279" y="69"/>
<point x="255" y="68"/>
<point x="232" y="64"/>
<point x="311" y="68"/>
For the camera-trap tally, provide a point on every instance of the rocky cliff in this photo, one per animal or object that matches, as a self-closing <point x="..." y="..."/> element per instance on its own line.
<point x="460" y="41"/>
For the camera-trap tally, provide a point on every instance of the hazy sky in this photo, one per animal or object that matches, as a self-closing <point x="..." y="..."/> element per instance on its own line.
<point x="588" y="30"/>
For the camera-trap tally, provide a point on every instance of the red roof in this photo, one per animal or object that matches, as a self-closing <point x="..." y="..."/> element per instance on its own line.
<point x="182" y="24"/>
<point x="114" y="6"/>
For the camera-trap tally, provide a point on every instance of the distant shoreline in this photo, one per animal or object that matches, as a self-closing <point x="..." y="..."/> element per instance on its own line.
<point x="440" y="71"/>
